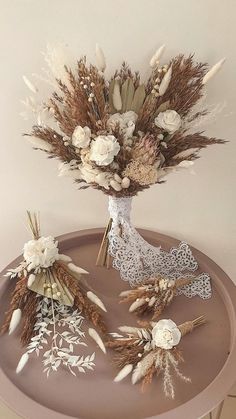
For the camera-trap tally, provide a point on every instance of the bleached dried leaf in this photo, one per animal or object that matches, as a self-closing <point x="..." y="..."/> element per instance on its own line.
<point x="125" y="293"/>
<point x="15" y="320"/>
<point x="94" y="298"/>
<point x="31" y="279"/>
<point x="165" y="82"/>
<point x="95" y="336"/>
<point x="127" y="94"/>
<point x="185" y="164"/>
<point x="116" y="96"/>
<point x="143" y="367"/>
<point x="136" y="304"/>
<point x="138" y="99"/>
<point x="100" y="59"/>
<point x="76" y="269"/>
<point x="156" y="57"/>
<point x="30" y="85"/>
<point x="64" y="258"/>
<point x="152" y="301"/>
<point x="23" y="361"/>
<point x="129" y="330"/>
<point x="123" y="373"/>
<point x="213" y="71"/>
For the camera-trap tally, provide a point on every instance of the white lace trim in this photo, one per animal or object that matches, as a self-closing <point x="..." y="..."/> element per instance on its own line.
<point x="137" y="260"/>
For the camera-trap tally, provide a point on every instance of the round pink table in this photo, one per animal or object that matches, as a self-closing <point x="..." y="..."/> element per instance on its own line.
<point x="210" y="352"/>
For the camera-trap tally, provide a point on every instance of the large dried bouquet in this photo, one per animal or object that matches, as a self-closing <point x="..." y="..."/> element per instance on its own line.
<point x="121" y="135"/>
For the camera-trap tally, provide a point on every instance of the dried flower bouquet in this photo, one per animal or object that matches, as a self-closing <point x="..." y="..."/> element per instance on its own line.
<point x="145" y="352"/>
<point x="154" y="295"/>
<point x="51" y="300"/>
<point x="121" y="134"/>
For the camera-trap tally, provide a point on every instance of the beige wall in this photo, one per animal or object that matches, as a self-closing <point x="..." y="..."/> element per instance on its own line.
<point x="200" y="208"/>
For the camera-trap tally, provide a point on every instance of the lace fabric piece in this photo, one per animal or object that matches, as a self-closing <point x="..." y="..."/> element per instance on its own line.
<point x="137" y="260"/>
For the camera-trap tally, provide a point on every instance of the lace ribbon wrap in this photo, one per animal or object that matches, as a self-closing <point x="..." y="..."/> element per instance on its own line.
<point x="137" y="260"/>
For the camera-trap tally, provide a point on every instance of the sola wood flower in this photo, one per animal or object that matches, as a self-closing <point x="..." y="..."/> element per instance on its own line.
<point x="153" y="295"/>
<point x="145" y="352"/>
<point x="51" y="300"/>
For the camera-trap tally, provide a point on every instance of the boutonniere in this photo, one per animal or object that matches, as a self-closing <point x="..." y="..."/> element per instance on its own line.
<point x="144" y="352"/>
<point x="50" y="301"/>
<point x="153" y="295"/>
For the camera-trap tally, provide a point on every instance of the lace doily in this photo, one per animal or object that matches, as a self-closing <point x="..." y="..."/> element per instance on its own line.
<point x="137" y="260"/>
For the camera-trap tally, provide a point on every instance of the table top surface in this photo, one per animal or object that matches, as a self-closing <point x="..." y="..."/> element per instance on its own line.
<point x="210" y="352"/>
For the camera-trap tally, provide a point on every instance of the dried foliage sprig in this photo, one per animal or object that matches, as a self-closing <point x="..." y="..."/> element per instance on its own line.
<point x="152" y="350"/>
<point x="154" y="295"/>
<point x="50" y="294"/>
<point x="121" y="135"/>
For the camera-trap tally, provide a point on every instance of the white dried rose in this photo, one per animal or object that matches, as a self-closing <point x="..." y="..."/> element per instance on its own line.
<point x="41" y="253"/>
<point x="126" y="122"/>
<point x="81" y="137"/>
<point x="169" y="121"/>
<point x="103" y="149"/>
<point x="166" y="334"/>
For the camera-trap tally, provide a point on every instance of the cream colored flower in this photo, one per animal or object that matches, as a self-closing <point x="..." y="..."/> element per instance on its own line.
<point x="103" y="149"/>
<point x="103" y="179"/>
<point x="169" y="121"/>
<point x="166" y="334"/>
<point x="81" y="137"/>
<point x="88" y="173"/>
<point x="126" y="122"/>
<point x="92" y="174"/>
<point x="41" y="253"/>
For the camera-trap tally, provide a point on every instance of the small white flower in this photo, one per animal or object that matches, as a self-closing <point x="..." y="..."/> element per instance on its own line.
<point x="41" y="253"/>
<point x="81" y="137"/>
<point x="166" y="334"/>
<point x="126" y="122"/>
<point x="169" y="121"/>
<point x="103" y="149"/>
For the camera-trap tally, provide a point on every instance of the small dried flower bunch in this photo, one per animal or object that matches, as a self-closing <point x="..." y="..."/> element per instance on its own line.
<point x="121" y="135"/>
<point x="145" y="352"/>
<point x="154" y="295"/>
<point x="51" y="300"/>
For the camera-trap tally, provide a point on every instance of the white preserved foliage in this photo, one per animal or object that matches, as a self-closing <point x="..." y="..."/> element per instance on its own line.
<point x="61" y="326"/>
